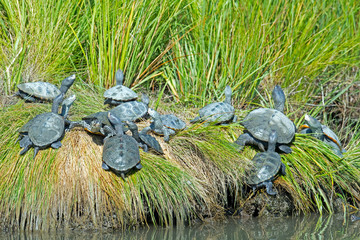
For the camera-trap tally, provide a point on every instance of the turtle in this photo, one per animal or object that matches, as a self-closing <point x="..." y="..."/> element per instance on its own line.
<point x="119" y="93"/>
<point x="166" y="125"/>
<point x="46" y="129"/>
<point x="260" y="122"/>
<point x="323" y="133"/>
<point x="219" y="112"/>
<point x="144" y="139"/>
<point x="132" y="110"/>
<point x="96" y="123"/>
<point x="120" y="152"/>
<point x="354" y="218"/>
<point x="43" y="91"/>
<point x="266" y="167"/>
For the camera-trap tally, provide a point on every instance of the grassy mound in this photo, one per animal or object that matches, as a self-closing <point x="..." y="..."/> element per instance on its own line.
<point x="200" y="175"/>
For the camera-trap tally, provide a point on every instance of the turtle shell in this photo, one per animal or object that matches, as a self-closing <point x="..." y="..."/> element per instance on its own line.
<point x="121" y="153"/>
<point x="42" y="90"/>
<point x="120" y="93"/>
<point x="218" y="111"/>
<point x="173" y="122"/>
<point x="266" y="166"/>
<point x="130" y="111"/>
<point x="48" y="129"/>
<point x="100" y="116"/>
<point x="151" y="142"/>
<point x="260" y="122"/>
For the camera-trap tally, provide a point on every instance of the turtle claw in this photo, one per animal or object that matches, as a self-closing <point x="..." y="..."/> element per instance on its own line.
<point x="105" y="166"/>
<point x="36" y="150"/>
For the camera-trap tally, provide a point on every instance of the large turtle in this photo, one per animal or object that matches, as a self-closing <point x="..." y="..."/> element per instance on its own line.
<point x="260" y="122"/>
<point x="166" y="125"/>
<point x="323" y="133"/>
<point x="46" y="129"/>
<point x="119" y="93"/>
<point x="43" y="91"/>
<point x="132" y="110"/>
<point x="144" y="139"/>
<point x="120" y="152"/>
<point x="266" y="167"/>
<point x="219" y="112"/>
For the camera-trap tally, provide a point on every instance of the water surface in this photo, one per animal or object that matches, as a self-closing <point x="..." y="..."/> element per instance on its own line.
<point x="307" y="227"/>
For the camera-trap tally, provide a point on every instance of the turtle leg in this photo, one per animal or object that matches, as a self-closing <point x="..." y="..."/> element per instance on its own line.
<point x="144" y="147"/>
<point x="26" y="97"/>
<point x="26" y="144"/>
<point x="195" y="120"/>
<point x="36" y="150"/>
<point x="269" y="189"/>
<point x="122" y="176"/>
<point x="283" y="169"/>
<point x="245" y="139"/>
<point x="105" y="166"/>
<point x="56" y="145"/>
<point x="108" y="131"/>
<point x="234" y="119"/>
<point x="167" y="133"/>
<point x="145" y="130"/>
<point x="138" y="166"/>
<point x="26" y="148"/>
<point x="285" y="148"/>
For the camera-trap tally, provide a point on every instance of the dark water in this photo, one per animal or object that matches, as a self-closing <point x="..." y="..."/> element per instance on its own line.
<point x="308" y="227"/>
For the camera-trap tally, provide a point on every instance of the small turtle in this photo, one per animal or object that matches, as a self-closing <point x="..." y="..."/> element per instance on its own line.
<point x="96" y="123"/>
<point x="219" y="112"/>
<point x="166" y="125"/>
<point x="132" y="110"/>
<point x="354" y="218"/>
<point x="43" y="91"/>
<point x="323" y="133"/>
<point x="266" y="167"/>
<point x="119" y="93"/>
<point x="46" y="129"/>
<point x="120" y="152"/>
<point x="260" y="122"/>
<point x="144" y="139"/>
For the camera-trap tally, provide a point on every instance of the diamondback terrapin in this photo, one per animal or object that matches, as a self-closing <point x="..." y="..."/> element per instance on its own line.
<point x="46" y="129"/>
<point x="132" y="110"/>
<point x="260" y="122"/>
<point x="166" y="125"/>
<point x="219" y="112"/>
<point x="120" y="152"/>
<point x="119" y="93"/>
<point x="266" y="167"/>
<point x="96" y="123"/>
<point x="43" y="91"/>
<point x="323" y="133"/>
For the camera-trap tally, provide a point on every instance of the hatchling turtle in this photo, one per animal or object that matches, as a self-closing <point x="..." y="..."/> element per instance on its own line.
<point x="260" y="122"/>
<point x="46" y="129"/>
<point x="323" y="133"/>
<point x="219" y="112"/>
<point x="96" y="123"/>
<point x="43" y="91"/>
<point x="266" y="167"/>
<point x="166" y="125"/>
<point x="144" y="139"/>
<point x="132" y="110"/>
<point x="120" y="152"/>
<point x="119" y="93"/>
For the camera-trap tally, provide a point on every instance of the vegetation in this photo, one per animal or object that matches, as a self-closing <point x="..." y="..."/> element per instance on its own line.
<point x="184" y="53"/>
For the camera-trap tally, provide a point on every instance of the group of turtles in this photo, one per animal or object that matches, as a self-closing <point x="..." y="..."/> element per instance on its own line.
<point x="267" y="128"/>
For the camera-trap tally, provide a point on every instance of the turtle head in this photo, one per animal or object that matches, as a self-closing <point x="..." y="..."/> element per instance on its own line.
<point x="156" y="116"/>
<point x="278" y="97"/>
<point x="145" y="99"/>
<point x="67" y="104"/>
<point x="94" y="126"/>
<point x="314" y="125"/>
<point x="119" y="76"/>
<point x="66" y="83"/>
<point x="116" y="123"/>
<point x="272" y="141"/>
<point x="56" y="103"/>
<point x="228" y="93"/>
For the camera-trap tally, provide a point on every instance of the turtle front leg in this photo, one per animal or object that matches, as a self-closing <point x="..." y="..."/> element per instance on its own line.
<point x="245" y="139"/>
<point x="269" y="189"/>
<point x="167" y="133"/>
<point x="36" y="150"/>
<point x="26" y="144"/>
<point x="283" y="169"/>
<point x="107" y="131"/>
<point x="285" y="148"/>
<point x="56" y="145"/>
